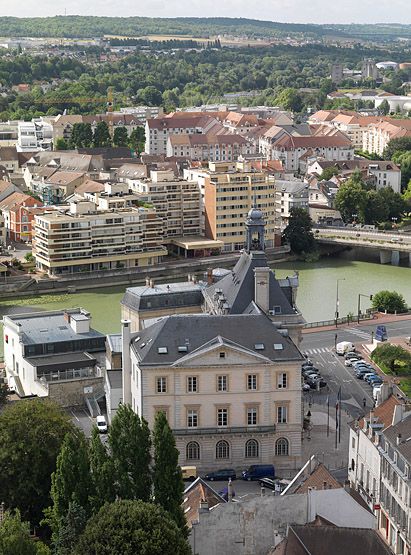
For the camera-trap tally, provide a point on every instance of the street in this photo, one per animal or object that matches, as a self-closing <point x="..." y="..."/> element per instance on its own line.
<point x="319" y="346"/>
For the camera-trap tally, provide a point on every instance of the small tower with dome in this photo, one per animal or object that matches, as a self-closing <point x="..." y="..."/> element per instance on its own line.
<point x="255" y="229"/>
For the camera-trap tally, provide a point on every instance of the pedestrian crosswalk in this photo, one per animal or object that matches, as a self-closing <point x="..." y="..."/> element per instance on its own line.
<point x="360" y="333"/>
<point x="317" y="351"/>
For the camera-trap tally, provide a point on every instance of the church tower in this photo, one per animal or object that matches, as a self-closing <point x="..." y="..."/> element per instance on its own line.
<point x="255" y="228"/>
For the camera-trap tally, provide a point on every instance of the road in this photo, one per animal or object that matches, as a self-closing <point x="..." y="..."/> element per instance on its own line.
<point x="319" y="346"/>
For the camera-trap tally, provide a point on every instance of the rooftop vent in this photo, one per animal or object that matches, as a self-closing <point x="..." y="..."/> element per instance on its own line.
<point x="278" y="346"/>
<point x="182" y="349"/>
<point x="259" y="347"/>
<point x="162" y="350"/>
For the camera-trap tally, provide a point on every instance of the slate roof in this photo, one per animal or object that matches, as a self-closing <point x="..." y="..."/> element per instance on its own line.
<point x="196" y="331"/>
<point x="238" y="287"/>
<point x="196" y="493"/>
<point x="317" y="479"/>
<point x="163" y="295"/>
<point x="323" y="540"/>
<point x="403" y="428"/>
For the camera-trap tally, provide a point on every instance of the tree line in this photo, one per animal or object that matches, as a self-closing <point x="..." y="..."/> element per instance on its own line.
<point x="80" y="492"/>
<point x="83" y="136"/>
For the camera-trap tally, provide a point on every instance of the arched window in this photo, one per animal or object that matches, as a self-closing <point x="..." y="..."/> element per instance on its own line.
<point x="281" y="447"/>
<point x="193" y="451"/>
<point x="222" y="450"/>
<point x="251" y="449"/>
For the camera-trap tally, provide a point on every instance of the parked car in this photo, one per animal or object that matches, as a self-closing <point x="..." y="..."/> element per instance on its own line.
<point x="307" y="372"/>
<point x="316" y="382"/>
<point x="350" y="361"/>
<point x="361" y="373"/>
<point x="306" y="387"/>
<point x="376" y="380"/>
<point x="368" y="376"/>
<point x="257" y="471"/>
<point x="222" y="474"/>
<point x="101" y="424"/>
<point x="344" y="347"/>
<point x="276" y="485"/>
<point x="353" y="355"/>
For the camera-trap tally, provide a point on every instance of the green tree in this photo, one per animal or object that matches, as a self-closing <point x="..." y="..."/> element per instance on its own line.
<point x="71" y="527"/>
<point x="136" y="140"/>
<point x="328" y="173"/>
<point x="4" y="393"/>
<point x="375" y="210"/>
<point x="130" y="443"/>
<point x="150" y="95"/>
<point x="61" y="144"/>
<point x="392" y="357"/>
<point x="298" y="232"/>
<point x="395" y="203"/>
<point x="120" y="136"/>
<point x="290" y="99"/>
<point x="389" y="301"/>
<point x="102" y="472"/>
<point x="70" y="482"/>
<point x="384" y="107"/>
<point x="81" y="135"/>
<point x="167" y="478"/>
<point x="403" y="144"/>
<point x="31" y="434"/>
<point x="170" y="100"/>
<point x="15" y="537"/>
<point x="351" y="199"/>
<point x="101" y="136"/>
<point x="132" y="527"/>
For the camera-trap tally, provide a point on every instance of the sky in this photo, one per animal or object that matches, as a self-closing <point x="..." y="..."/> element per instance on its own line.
<point x="298" y="11"/>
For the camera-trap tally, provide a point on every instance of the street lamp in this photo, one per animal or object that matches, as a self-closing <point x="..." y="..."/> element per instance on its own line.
<point x="359" y="304"/>
<point x="394" y="219"/>
<point x="337" y="302"/>
<point x="354" y="216"/>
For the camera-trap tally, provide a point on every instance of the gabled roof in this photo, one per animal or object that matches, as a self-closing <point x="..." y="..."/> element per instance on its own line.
<point x="175" y="337"/>
<point x="403" y="431"/>
<point x="320" y="478"/>
<point x="195" y="494"/>
<point x="238" y="287"/>
<point x="384" y="412"/>
<point x="89" y="186"/>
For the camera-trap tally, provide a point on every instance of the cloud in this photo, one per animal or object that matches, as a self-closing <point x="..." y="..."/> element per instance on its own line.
<point x="301" y="11"/>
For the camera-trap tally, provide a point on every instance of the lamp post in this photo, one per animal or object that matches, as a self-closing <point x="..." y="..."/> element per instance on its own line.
<point x="354" y="217"/>
<point x="359" y="304"/>
<point x="394" y="221"/>
<point x="337" y="302"/>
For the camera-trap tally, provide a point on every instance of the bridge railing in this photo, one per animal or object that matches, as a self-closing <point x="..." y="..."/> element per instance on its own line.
<point x="343" y="320"/>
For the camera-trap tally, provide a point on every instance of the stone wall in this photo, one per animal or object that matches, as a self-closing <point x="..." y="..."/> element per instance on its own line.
<point x="70" y="393"/>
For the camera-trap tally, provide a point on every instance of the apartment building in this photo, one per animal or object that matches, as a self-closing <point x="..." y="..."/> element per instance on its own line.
<point x="289" y="195"/>
<point x="229" y="191"/>
<point x="206" y="147"/>
<point x="16" y="210"/>
<point x="158" y="130"/>
<point x="176" y="201"/>
<point x="53" y="354"/>
<point x="34" y="135"/>
<point x="82" y="238"/>
<point x="379" y="134"/>
<point x="2" y="231"/>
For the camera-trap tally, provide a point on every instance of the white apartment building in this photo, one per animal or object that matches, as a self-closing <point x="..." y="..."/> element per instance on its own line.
<point x="82" y="238"/>
<point x="229" y="385"/>
<point x="378" y="135"/>
<point x="289" y="195"/>
<point x="52" y="354"/>
<point x="34" y="135"/>
<point x="208" y="147"/>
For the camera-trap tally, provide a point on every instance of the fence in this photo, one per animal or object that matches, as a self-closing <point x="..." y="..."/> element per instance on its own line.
<point x="344" y="320"/>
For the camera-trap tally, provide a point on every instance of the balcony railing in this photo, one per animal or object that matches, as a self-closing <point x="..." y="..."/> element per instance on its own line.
<point x="225" y="430"/>
<point x="71" y="374"/>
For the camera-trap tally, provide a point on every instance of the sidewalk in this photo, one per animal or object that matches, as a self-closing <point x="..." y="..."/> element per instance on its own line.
<point x="379" y="318"/>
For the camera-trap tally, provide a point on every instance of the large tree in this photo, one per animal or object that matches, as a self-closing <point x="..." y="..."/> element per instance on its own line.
<point x="120" y="136"/>
<point x="389" y="301"/>
<point x="71" y="527"/>
<point x="81" y="135"/>
<point x="131" y="528"/>
<point x="136" y="140"/>
<point x="351" y="199"/>
<point x="130" y="443"/>
<point x="298" y="232"/>
<point x="395" y="203"/>
<point x="102" y="472"/>
<point x="403" y="144"/>
<point x="31" y="434"/>
<point x="375" y="209"/>
<point x="167" y="478"/>
<point x="15" y="537"/>
<point x="101" y="135"/>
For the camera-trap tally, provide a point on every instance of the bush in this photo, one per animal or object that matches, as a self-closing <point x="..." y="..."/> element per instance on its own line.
<point x="393" y="359"/>
<point x="389" y="301"/>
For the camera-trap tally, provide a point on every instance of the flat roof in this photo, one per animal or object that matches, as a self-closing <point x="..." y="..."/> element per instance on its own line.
<point x="190" y="242"/>
<point x="51" y="363"/>
<point x="115" y="379"/>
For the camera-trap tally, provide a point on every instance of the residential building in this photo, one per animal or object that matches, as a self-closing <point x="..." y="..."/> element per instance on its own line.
<point x="6" y="189"/>
<point x="289" y="195"/>
<point x="394" y="516"/>
<point x="9" y="158"/>
<point x="63" y="126"/>
<point x="8" y="133"/>
<point x="381" y="173"/>
<point x="2" y="231"/>
<point x="177" y="201"/>
<point x="159" y="129"/>
<point x="53" y="354"/>
<point x="206" y="147"/>
<point x="229" y="191"/>
<point x="129" y="121"/>
<point x="55" y="188"/>
<point x="379" y="134"/>
<point x="17" y="219"/>
<point x="34" y="135"/>
<point x="82" y="238"/>
<point x="364" y="471"/>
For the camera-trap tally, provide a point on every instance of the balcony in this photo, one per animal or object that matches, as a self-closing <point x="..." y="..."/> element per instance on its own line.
<point x="225" y="430"/>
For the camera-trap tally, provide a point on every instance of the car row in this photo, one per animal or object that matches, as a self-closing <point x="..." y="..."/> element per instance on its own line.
<point x="362" y="369"/>
<point x="312" y="377"/>
<point x="254" y="472"/>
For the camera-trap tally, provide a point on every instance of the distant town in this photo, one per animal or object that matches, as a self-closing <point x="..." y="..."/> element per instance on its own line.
<point x="212" y="415"/>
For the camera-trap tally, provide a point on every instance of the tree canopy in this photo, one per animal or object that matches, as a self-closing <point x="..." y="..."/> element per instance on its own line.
<point x="15" y="537"/>
<point x="31" y="434"/>
<point x="389" y="301"/>
<point x="132" y="527"/>
<point x="298" y="232"/>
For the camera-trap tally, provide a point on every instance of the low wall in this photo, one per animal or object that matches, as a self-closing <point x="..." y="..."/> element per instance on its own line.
<point x="71" y="393"/>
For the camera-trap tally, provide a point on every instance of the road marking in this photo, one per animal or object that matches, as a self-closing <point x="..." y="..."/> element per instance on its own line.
<point x="317" y="351"/>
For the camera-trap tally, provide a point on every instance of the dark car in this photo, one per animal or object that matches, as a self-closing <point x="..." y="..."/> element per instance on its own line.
<point x="223" y="474"/>
<point x="314" y="383"/>
<point x="276" y="485"/>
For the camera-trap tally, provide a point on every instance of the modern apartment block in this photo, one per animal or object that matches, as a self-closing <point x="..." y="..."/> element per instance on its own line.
<point x="176" y="201"/>
<point x="289" y="195"/>
<point x="229" y="191"/>
<point x="82" y="238"/>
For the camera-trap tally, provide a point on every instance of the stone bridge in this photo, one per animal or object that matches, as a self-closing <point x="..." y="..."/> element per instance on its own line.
<point x="392" y="246"/>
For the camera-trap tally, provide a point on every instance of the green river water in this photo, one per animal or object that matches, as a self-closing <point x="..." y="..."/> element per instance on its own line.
<point x="316" y="295"/>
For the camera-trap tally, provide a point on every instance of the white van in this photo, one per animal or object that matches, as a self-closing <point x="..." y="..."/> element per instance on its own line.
<point x="344" y="347"/>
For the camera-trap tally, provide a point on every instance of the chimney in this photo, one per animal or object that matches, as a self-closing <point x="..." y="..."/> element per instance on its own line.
<point x="67" y="317"/>
<point x="262" y="288"/>
<point x="262" y="490"/>
<point x="324" y="485"/>
<point x="230" y="490"/>
<point x="203" y="506"/>
<point x="209" y="276"/>
<point x="126" y="361"/>
<point x="188" y="277"/>
<point x="147" y="281"/>
<point x="398" y="414"/>
<point x="193" y="278"/>
<point x="347" y="486"/>
<point x="399" y="438"/>
<point x="152" y="283"/>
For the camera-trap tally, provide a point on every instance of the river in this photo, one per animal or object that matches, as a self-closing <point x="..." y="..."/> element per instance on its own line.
<point x="316" y="295"/>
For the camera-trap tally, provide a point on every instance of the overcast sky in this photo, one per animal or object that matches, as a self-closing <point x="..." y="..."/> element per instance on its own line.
<point x="301" y="11"/>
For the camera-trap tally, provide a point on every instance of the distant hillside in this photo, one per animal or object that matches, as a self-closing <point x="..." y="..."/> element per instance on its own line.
<point x="85" y="26"/>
